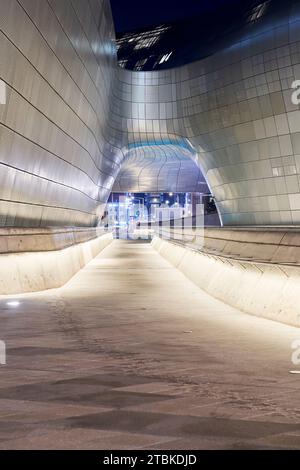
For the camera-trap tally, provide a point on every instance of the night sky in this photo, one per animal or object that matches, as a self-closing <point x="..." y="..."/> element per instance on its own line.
<point x="138" y="14"/>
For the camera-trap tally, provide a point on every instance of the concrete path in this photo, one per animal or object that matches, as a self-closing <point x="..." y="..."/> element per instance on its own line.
<point x="130" y="354"/>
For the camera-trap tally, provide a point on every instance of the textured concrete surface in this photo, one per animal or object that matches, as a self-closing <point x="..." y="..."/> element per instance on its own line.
<point x="24" y="240"/>
<point x="130" y="354"/>
<point x="266" y="289"/>
<point x="40" y="270"/>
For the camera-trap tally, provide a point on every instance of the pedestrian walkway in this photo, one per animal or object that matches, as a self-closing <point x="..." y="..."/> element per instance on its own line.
<point x="131" y="355"/>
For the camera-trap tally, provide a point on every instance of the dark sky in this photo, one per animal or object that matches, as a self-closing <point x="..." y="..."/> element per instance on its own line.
<point x="138" y="14"/>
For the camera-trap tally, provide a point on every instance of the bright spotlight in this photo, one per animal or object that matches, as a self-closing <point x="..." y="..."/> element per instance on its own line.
<point x="13" y="303"/>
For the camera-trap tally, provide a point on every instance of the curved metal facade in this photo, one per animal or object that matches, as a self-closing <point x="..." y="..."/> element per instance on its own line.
<point x="235" y="110"/>
<point x="72" y="116"/>
<point x="160" y="168"/>
<point x="57" y="59"/>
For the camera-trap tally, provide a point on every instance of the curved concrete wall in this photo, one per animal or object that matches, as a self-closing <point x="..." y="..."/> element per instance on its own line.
<point x="28" y="240"/>
<point x="235" y="109"/>
<point x="266" y="286"/>
<point x="41" y="270"/>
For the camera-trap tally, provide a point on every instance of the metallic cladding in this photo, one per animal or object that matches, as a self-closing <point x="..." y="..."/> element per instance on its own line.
<point x="72" y="117"/>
